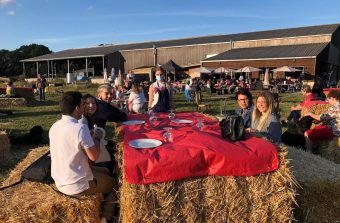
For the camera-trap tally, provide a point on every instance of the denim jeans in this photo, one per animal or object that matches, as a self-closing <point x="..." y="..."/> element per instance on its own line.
<point x="42" y="94"/>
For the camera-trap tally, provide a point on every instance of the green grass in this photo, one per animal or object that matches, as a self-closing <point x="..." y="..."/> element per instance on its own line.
<point x="46" y="113"/>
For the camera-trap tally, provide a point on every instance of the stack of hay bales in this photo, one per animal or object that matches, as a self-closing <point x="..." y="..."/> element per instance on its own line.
<point x="8" y="102"/>
<point x="263" y="198"/>
<point x="4" y="147"/>
<point x="318" y="196"/>
<point x="37" y="202"/>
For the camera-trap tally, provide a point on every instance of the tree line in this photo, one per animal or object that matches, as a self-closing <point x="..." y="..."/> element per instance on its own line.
<point x="10" y="64"/>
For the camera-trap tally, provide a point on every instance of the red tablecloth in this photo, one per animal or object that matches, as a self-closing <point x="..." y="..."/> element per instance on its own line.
<point x="193" y="153"/>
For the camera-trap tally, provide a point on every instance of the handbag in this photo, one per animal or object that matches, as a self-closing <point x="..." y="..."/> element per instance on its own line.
<point x="232" y="128"/>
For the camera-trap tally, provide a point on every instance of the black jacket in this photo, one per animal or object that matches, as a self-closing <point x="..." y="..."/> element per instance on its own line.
<point x="106" y="112"/>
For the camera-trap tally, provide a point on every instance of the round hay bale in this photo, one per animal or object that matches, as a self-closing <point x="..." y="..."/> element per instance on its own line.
<point x="318" y="196"/>
<point x="37" y="202"/>
<point x="263" y="198"/>
<point x="4" y="147"/>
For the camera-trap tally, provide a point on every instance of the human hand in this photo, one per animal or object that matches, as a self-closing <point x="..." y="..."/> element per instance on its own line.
<point x="250" y="130"/>
<point x="97" y="134"/>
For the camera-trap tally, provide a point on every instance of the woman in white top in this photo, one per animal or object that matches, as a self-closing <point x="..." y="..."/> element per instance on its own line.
<point x="136" y="99"/>
<point x="160" y="93"/>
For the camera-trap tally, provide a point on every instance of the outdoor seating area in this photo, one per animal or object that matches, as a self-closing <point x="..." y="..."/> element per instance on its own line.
<point x="264" y="197"/>
<point x="33" y="201"/>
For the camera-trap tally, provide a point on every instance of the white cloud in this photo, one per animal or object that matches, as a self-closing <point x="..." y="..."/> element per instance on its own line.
<point x="5" y="2"/>
<point x="11" y="13"/>
<point x="116" y="34"/>
<point x="91" y="7"/>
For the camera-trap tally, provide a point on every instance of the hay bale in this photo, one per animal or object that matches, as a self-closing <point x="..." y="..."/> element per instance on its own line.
<point x="318" y="197"/>
<point x="330" y="149"/>
<point x="36" y="202"/>
<point x="263" y="198"/>
<point x="4" y="147"/>
<point x="8" y="102"/>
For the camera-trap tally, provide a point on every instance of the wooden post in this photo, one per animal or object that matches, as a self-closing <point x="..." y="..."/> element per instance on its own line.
<point x="37" y="68"/>
<point x="68" y="66"/>
<point x="48" y="69"/>
<point x="103" y="65"/>
<point x="86" y="67"/>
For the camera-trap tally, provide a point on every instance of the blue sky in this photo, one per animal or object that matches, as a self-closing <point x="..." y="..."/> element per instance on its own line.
<point x="63" y="24"/>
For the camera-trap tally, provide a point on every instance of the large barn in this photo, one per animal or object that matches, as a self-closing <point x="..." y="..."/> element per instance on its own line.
<point x="313" y="49"/>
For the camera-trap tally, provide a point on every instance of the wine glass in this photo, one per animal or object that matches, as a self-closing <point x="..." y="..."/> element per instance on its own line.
<point x="152" y="119"/>
<point x="200" y="124"/>
<point x="167" y="136"/>
<point x="171" y="114"/>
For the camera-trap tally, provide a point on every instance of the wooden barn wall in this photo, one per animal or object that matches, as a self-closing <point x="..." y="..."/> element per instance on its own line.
<point x="284" y="41"/>
<point x="189" y="55"/>
<point x="308" y="64"/>
<point x="137" y="58"/>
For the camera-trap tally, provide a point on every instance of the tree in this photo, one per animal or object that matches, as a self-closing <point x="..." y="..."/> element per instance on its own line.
<point x="10" y="60"/>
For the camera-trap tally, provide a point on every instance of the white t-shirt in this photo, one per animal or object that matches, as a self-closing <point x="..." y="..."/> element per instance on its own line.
<point x="69" y="163"/>
<point x="138" y="100"/>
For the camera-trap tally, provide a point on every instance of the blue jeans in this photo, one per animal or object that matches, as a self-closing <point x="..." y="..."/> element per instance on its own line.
<point x="187" y="95"/>
<point x="42" y="94"/>
<point x="295" y="115"/>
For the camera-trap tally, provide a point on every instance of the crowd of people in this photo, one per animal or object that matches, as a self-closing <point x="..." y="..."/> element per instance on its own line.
<point x="75" y="144"/>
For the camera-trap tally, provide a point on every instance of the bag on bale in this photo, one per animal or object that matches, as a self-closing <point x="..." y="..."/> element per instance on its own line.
<point x="38" y="171"/>
<point x="232" y="128"/>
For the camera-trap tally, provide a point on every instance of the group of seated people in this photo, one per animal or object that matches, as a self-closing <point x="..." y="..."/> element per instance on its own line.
<point x="261" y="118"/>
<point x="75" y="145"/>
<point x="229" y="85"/>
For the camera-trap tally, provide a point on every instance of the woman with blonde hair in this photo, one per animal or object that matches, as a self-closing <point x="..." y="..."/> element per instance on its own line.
<point x="264" y="120"/>
<point x="136" y="99"/>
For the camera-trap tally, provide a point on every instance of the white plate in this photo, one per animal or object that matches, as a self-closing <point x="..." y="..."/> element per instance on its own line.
<point x="184" y="121"/>
<point x="145" y="143"/>
<point x="134" y="122"/>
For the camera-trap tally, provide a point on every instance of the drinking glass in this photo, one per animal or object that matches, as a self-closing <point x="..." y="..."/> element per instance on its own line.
<point x="152" y="119"/>
<point x="200" y="124"/>
<point x="167" y="136"/>
<point x="171" y="114"/>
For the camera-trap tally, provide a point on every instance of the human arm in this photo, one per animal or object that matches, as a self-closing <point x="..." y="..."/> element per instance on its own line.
<point x="314" y="116"/>
<point x="151" y="94"/>
<point x="172" y="104"/>
<point x="90" y="144"/>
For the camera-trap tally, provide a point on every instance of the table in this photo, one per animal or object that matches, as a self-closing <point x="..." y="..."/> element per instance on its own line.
<point x="201" y="198"/>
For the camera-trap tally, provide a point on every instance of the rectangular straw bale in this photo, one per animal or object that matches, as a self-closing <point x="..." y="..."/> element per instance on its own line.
<point x="4" y="147"/>
<point x="318" y="197"/>
<point x="263" y="198"/>
<point x="37" y="202"/>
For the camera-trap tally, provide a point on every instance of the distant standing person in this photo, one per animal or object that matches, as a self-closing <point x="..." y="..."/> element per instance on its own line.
<point x="160" y="93"/>
<point x="41" y="85"/>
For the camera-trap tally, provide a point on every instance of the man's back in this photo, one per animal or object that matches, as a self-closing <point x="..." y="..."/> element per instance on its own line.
<point x="69" y="168"/>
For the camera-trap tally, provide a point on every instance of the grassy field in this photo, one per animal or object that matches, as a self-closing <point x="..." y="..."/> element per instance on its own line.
<point x="46" y="113"/>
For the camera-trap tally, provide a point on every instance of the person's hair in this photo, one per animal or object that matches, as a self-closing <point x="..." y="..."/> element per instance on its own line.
<point x="257" y="116"/>
<point x="245" y="92"/>
<point x="86" y="96"/>
<point x="135" y="88"/>
<point x="10" y="83"/>
<point x="159" y="68"/>
<point x="69" y="101"/>
<point x="102" y="87"/>
<point x="334" y="94"/>
<point x="306" y="88"/>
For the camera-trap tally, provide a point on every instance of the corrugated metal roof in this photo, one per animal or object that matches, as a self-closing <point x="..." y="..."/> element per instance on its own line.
<point x="105" y="50"/>
<point x="291" y="51"/>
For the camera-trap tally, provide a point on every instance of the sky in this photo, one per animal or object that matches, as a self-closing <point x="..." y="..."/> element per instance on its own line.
<point x="65" y="24"/>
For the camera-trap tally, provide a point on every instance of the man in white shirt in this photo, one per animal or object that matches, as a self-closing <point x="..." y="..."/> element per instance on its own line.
<point x="71" y="145"/>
